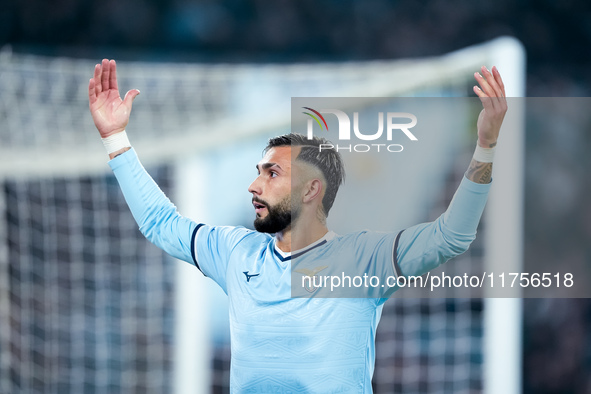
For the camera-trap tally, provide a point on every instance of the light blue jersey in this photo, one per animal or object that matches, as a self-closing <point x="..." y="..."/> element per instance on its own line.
<point x="283" y="344"/>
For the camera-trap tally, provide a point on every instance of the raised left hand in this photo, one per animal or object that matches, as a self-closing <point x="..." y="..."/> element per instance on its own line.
<point x="492" y="95"/>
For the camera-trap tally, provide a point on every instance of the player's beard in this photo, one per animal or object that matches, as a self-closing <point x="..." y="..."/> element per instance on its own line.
<point x="279" y="216"/>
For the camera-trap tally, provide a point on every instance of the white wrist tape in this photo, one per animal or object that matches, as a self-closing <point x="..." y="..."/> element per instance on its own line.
<point x="484" y="155"/>
<point x="115" y="142"/>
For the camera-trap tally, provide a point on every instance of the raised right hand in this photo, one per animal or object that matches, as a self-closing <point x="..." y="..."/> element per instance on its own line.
<point x="109" y="112"/>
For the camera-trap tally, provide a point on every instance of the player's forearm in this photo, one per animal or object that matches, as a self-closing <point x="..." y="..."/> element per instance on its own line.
<point x="466" y="207"/>
<point x="479" y="172"/>
<point x="426" y="246"/>
<point x="154" y="213"/>
<point x="119" y="152"/>
<point x="480" y="168"/>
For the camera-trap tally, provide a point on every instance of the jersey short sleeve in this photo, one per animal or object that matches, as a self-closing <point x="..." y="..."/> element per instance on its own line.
<point x="212" y="247"/>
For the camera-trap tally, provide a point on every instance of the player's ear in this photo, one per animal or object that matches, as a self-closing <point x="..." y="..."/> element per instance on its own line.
<point x="313" y="190"/>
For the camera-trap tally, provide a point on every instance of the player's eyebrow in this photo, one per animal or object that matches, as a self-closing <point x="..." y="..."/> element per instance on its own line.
<point x="266" y="166"/>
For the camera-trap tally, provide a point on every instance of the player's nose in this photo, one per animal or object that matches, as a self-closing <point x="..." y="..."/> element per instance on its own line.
<point x="255" y="187"/>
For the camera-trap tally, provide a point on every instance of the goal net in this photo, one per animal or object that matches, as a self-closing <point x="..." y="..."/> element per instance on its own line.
<point x="88" y="305"/>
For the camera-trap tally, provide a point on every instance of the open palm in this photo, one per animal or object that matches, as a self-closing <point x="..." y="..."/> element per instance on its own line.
<point x="494" y="101"/>
<point x="109" y="112"/>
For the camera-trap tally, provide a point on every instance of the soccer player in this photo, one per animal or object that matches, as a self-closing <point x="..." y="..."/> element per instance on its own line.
<point x="282" y="343"/>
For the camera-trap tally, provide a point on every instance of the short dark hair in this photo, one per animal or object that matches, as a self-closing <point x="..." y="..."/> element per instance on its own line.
<point x="328" y="161"/>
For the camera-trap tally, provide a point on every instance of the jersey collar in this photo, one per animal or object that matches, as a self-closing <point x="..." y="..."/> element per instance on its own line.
<point x="284" y="256"/>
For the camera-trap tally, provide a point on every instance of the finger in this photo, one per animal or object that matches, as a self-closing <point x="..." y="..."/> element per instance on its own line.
<point x="492" y="82"/>
<point x="485" y="88"/>
<point x="129" y="97"/>
<point x="481" y="95"/>
<point x="498" y="99"/>
<point x="499" y="80"/>
<point x="97" y="78"/>
<point x="484" y="98"/>
<point x="479" y="92"/>
<point x="91" y="91"/>
<point x="105" y="75"/>
<point x="113" y="75"/>
<point x="490" y="88"/>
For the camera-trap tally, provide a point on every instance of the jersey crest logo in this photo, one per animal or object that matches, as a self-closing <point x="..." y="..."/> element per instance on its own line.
<point x="311" y="273"/>
<point x="249" y="276"/>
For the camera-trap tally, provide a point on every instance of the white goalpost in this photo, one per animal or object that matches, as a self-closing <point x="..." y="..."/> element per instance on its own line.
<point x="81" y="314"/>
<point x="504" y="247"/>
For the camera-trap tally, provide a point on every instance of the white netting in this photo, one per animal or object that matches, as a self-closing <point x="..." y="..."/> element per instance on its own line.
<point x="183" y="108"/>
<point x="90" y="299"/>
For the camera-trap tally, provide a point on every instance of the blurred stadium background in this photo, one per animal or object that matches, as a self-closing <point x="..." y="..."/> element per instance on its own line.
<point x="87" y="305"/>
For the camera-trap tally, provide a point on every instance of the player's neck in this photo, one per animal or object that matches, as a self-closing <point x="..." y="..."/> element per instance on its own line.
<point x="300" y="235"/>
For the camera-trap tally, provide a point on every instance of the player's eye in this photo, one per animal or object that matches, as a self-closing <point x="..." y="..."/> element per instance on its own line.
<point x="273" y="174"/>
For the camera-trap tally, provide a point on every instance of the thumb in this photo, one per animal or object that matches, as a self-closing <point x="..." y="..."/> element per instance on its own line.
<point x="129" y="97"/>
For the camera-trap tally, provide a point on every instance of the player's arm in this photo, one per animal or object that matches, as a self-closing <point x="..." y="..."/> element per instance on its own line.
<point x="425" y="246"/>
<point x="156" y="216"/>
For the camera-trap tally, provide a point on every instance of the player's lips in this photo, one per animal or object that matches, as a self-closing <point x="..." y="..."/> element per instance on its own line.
<point x="258" y="207"/>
